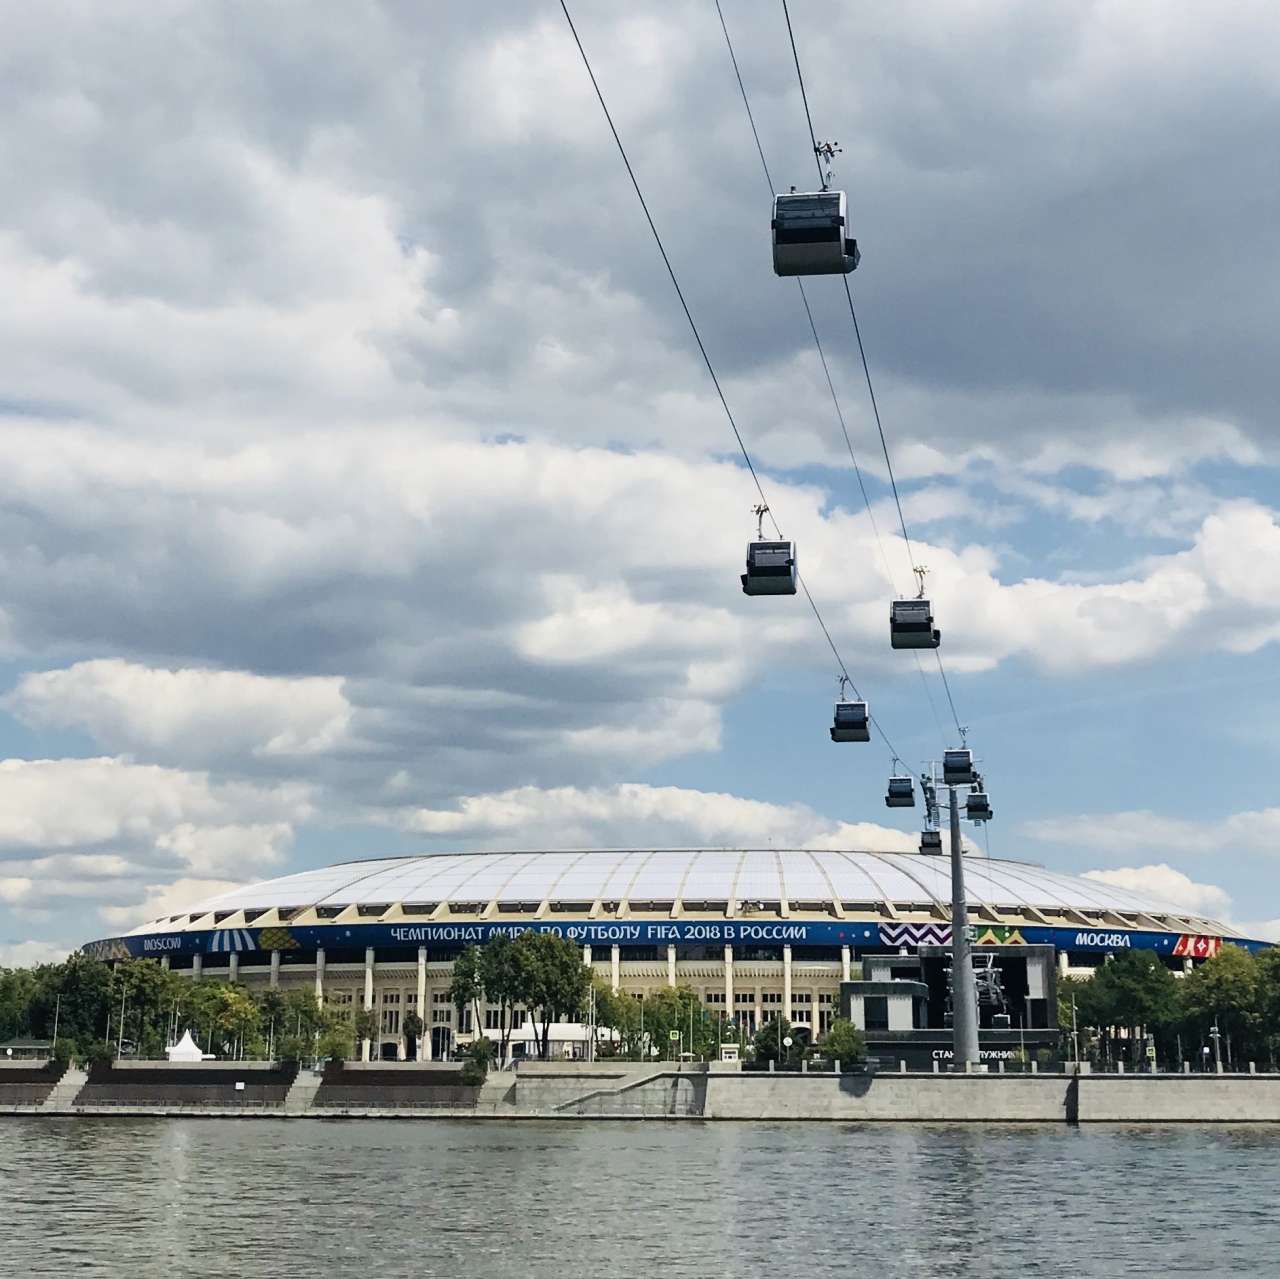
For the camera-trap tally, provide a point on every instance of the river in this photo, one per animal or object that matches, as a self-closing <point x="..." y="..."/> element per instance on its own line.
<point x="273" y="1199"/>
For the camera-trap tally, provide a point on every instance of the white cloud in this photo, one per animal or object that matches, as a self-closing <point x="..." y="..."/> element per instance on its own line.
<point x="27" y="954"/>
<point x="166" y="899"/>
<point x="1162" y="883"/>
<point x="1128" y="833"/>
<point x="257" y="348"/>
<point x="188" y="714"/>
<point x="634" y="815"/>
<point x="108" y="833"/>
<point x="1266" y="930"/>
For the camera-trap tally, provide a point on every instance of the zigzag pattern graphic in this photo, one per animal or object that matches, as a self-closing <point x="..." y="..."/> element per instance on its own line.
<point x="915" y="934"/>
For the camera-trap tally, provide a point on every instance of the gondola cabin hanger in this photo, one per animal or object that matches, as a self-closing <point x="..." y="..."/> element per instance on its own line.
<point x="809" y="234"/>
<point x="851" y="723"/>
<point x="771" y="566"/>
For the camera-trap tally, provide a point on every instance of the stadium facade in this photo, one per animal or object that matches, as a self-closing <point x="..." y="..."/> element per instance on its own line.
<point x="755" y="932"/>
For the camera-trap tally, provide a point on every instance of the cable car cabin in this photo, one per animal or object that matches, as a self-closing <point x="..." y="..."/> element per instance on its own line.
<point x="809" y="235"/>
<point x="977" y="808"/>
<point x="902" y="793"/>
<point x="911" y="625"/>
<point x="851" y="724"/>
<point x="931" y="842"/>
<point x="771" y="569"/>
<point x="957" y="768"/>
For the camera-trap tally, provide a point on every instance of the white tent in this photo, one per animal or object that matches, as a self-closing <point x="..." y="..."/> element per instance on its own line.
<point x="186" y="1049"/>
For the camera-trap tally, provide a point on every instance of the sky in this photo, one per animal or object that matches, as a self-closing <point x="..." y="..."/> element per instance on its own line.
<point x="363" y="492"/>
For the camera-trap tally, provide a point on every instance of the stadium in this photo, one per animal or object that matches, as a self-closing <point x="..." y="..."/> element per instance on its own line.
<point x="754" y="932"/>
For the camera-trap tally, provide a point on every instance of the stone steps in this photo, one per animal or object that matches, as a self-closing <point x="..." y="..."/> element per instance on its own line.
<point x="302" y="1093"/>
<point x="62" y="1098"/>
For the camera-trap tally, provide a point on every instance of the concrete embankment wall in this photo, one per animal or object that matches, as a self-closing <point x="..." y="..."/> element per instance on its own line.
<point x="928" y="1098"/>
<point x="727" y="1094"/>
<point x="998" y="1099"/>
<point x="1156" y="1099"/>
<point x="689" y="1091"/>
<point x="349" y="1085"/>
<point x="184" y="1085"/>
<point x="25" y="1085"/>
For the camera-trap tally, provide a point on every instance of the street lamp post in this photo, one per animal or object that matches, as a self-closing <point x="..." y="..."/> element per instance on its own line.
<point x="964" y="989"/>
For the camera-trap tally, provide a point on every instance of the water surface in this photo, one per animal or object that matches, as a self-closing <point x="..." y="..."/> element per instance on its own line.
<point x="388" y="1198"/>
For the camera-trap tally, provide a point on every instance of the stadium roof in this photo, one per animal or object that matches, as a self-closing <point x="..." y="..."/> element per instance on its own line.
<point x="687" y="883"/>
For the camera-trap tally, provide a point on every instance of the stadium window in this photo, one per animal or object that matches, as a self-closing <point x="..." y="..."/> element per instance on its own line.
<point x="390" y="1021"/>
<point x="493" y="1019"/>
<point x="771" y="997"/>
<point x="715" y="997"/>
<point x="875" y="1011"/>
<point x="442" y="1015"/>
<point x="390" y="998"/>
<point x="826" y="1012"/>
<point x="411" y="999"/>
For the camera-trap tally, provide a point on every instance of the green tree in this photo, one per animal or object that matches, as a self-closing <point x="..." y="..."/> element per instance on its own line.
<point x="620" y="1013"/>
<point x="499" y="972"/>
<point x="366" y="1025"/>
<point x="552" y="980"/>
<point x="769" y="1046"/>
<point x="1267" y="1003"/>
<point x="413" y="1026"/>
<point x="1226" y="988"/>
<point x="145" y="994"/>
<point x="477" y="1058"/>
<point x="17" y="989"/>
<point x="843" y="1042"/>
<point x="75" y="993"/>
<point x="1135" y="990"/>
<point x="293" y="1023"/>
<point x="222" y="1017"/>
<point x="336" y="1040"/>
<point x="467" y="987"/>
<point x="678" y="1009"/>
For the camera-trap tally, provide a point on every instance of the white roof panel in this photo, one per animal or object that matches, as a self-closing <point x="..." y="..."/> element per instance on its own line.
<point x="716" y="874"/>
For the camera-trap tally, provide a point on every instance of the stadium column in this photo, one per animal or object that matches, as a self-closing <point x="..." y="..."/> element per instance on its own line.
<point x="424" y="1014"/>
<point x="846" y="963"/>
<point x="728" y="981"/>
<point x="275" y="968"/>
<point x="786" y="982"/>
<point x="197" y="966"/>
<point x="320" y="975"/>
<point x="671" y="966"/>
<point x="233" y="966"/>
<point x="368" y="995"/>
<point x="614" y="967"/>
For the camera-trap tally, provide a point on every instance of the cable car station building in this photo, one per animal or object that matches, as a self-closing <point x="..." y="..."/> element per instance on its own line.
<point x="809" y="934"/>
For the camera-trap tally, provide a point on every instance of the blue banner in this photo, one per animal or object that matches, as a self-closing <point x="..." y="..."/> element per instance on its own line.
<point x="589" y="932"/>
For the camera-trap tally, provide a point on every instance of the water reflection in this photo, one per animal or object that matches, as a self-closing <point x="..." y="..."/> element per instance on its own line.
<point x="142" y="1198"/>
